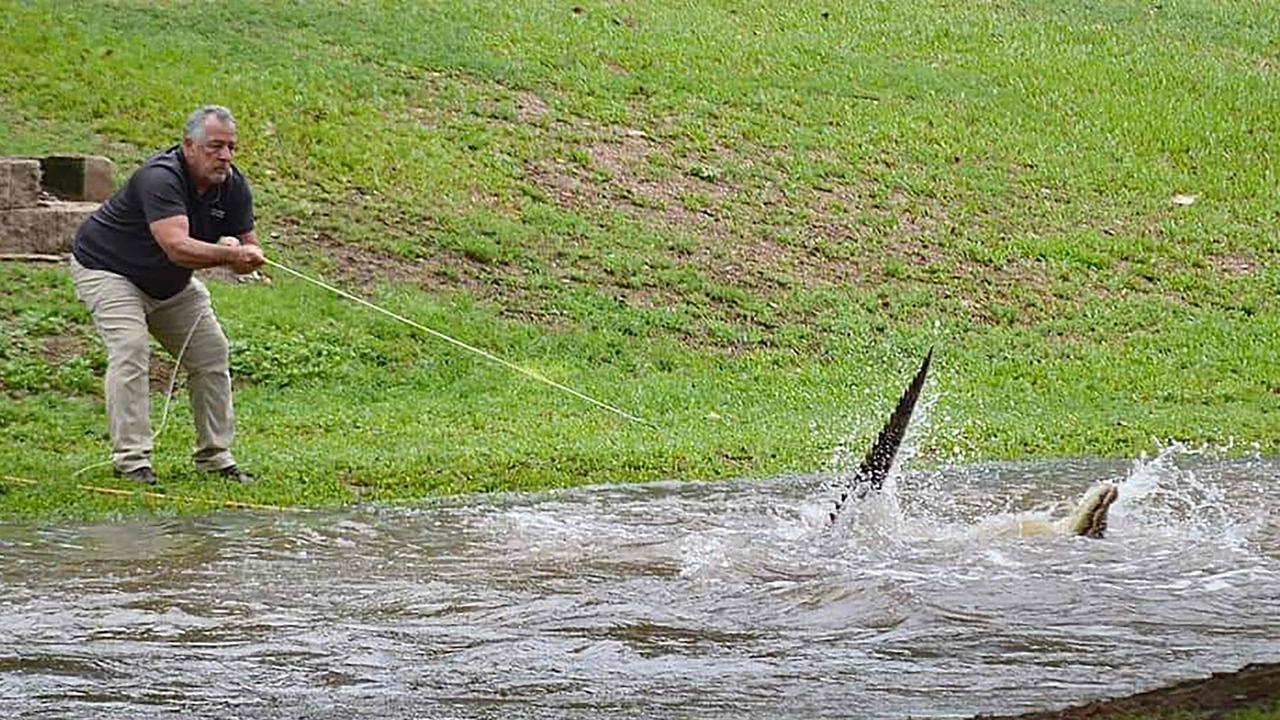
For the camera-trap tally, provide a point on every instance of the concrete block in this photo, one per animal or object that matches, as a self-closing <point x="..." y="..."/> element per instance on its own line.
<point x="82" y="178"/>
<point x="47" y="229"/>
<point x="19" y="183"/>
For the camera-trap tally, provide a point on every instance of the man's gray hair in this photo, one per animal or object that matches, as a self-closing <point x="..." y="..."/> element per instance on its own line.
<point x="194" y="129"/>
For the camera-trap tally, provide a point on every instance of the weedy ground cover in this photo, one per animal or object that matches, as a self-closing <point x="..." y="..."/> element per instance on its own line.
<point x="744" y="222"/>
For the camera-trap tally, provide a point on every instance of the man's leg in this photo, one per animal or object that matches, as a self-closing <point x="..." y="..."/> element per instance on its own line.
<point x="119" y="314"/>
<point x="208" y="370"/>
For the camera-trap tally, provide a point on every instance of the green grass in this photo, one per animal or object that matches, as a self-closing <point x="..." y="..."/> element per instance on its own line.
<point x="744" y="222"/>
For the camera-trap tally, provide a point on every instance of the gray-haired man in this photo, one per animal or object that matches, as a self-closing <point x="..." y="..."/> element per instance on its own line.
<point x="132" y="265"/>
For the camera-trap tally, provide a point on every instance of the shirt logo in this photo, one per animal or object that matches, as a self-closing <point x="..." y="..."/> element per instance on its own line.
<point x="217" y="213"/>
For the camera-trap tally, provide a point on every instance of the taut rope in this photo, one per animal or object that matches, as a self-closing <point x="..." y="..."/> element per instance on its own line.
<point x="469" y="348"/>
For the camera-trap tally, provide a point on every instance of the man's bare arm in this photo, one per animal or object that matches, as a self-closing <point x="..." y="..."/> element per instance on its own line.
<point x="173" y="236"/>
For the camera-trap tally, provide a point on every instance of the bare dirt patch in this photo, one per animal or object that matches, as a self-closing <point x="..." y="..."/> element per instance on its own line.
<point x="530" y="107"/>
<point x="161" y="373"/>
<point x="731" y="239"/>
<point x="744" y="225"/>
<point x="57" y="349"/>
<point x="1234" y="264"/>
<point x="361" y="267"/>
<point x="1249" y="688"/>
<point x="628" y="171"/>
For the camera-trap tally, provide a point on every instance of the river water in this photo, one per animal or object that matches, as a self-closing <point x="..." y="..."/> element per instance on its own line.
<point x="698" y="600"/>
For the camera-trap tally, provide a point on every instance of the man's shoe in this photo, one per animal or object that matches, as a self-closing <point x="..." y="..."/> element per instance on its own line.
<point x="234" y="474"/>
<point x="142" y="475"/>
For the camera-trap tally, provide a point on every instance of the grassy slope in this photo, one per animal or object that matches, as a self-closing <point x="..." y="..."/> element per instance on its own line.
<point x="743" y="221"/>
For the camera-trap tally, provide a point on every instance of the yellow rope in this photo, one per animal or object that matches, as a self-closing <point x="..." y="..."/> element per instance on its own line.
<point x="234" y="504"/>
<point x="469" y="348"/>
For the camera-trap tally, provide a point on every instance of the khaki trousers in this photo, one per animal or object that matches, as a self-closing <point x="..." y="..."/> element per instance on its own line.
<point x="124" y="317"/>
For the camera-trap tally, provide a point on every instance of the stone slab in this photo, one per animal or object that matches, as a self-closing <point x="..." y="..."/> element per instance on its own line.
<point x="79" y="178"/>
<point x="49" y="228"/>
<point x="19" y="183"/>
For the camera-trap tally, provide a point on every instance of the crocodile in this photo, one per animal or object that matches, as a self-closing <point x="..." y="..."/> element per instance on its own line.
<point x="1088" y="520"/>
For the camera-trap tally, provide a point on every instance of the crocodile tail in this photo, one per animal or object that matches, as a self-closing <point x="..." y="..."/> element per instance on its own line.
<point x="879" y="459"/>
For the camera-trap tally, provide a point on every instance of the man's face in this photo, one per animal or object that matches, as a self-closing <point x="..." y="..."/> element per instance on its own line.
<point x="210" y="159"/>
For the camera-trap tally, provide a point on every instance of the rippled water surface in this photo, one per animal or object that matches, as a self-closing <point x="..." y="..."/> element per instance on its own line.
<point x="670" y="600"/>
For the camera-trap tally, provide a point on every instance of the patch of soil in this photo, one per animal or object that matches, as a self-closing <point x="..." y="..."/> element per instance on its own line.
<point x="160" y="373"/>
<point x="1234" y="264"/>
<point x="730" y="227"/>
<point x="756" y="232"/>
<point x="530" y="107"/>
<point x="225" y="275"/>
<point x="1253" y="687"/>
<point x="359" y="267"/>
<point x="56" y="349"/>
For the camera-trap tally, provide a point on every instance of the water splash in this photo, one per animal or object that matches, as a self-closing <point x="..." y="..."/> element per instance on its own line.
<point x="1162" y="493"/>
<point x="1174" y="493"/>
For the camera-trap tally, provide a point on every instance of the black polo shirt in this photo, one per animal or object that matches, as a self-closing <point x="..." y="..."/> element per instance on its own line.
<point x="117" y="236"/>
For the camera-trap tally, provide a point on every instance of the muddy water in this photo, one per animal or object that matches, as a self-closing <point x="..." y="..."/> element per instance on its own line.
<point x="729" y="600"/>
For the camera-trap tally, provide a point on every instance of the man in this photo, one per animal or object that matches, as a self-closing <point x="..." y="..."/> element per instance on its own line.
<point x="132" y="265"/>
